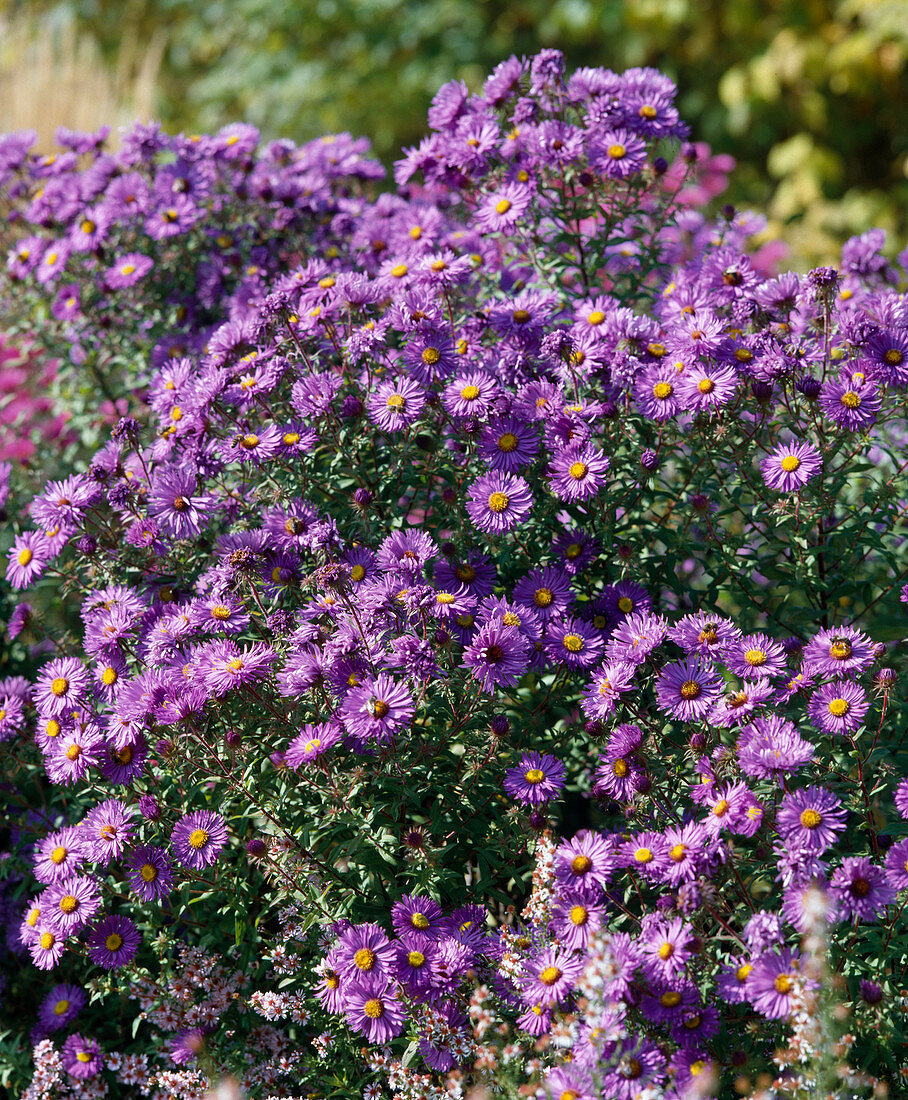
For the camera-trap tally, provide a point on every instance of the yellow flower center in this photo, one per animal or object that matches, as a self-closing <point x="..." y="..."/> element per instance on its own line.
<point x="396" y="401"/>
<point x="662" y="390"/>
<point x="643" y="855"/>
<point x="510" y="619"/>
<point x="578" y="470"/>
<point x="840" y="650"/>
<point x="573" y="643"/>
<point x="550" y="975"/>
<point x="470" y="393"/>
<point x="419" y="920"/>
<point x="508" y="443"/>
<point x="357" y="573"/>
<point x="69" y="904"/>
<point x="671" y="998"/>
<point x="498" y="501"/>
<point x="47" y="941"/>
<point x="503" y="206"/>
<point x="893" y="357"/>
<point x="399" y="270"/>
<point x="743" y="972"/>
<point x="678" y="853"/>
<point x="220" y="612"/>
<point x="534" y="776"/>
<point x="290" y="438"/>
<point x="579" y="915"/>
<point x="416" y="959"/>
<point x="83" y="1056"/>
<point x="127" y="269"/>
<point x="755" y="658"/>
<point x="114" y="942"/>
<point x="373" y="1008"/>
<point x="721" y="808"/>
<point x="73" y="753"/>
<point x="59" y="686"/>
<point x="148" y="872"/>
<point x="706" y="385"/>
<point x="61" y="1007"/>
<point x="198" y="838"/>
<point x="364" y="959"/>
<point x="596" y="317"/>
<point x="581" y="864"/>
<point x="25" y="556"/>
<point x="850" y="400"/>
<point x="790" y="463"/>
<point x="327" y="282"/>
<point x="690" y="689"/>
<point x="666" y="950"/>
<point x="617" y="151"/>
<point x="647" y="111"/>
<point x="783" y="984"/>
<point x="430" y="356"/>
<point x="58" y="855"/>
<point x="520" y="316"/>
<point x="543" y="597"/>
<point x="839" y="707"/>
<point x="810" y="819"/>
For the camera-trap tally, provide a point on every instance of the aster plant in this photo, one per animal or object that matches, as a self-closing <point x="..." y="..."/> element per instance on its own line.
<point x="470" y="657"/>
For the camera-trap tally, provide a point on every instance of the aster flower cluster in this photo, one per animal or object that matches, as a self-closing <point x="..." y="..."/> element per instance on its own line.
<point x="510" y="535"/>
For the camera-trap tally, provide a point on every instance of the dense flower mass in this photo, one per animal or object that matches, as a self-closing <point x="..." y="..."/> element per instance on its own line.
<point x="468" y="654"/>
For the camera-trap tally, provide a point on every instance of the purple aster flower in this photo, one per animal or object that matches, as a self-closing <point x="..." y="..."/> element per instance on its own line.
<point x="107" y="830"/>
<point x="173" y="502"/>
<point x="770" y="747"/>
<point x="852" y="402"/>
<point x="128" y="270"/>
<point x="576" y="918"/>
<point x="74" y="753"/>
<point x="508" y="444"/>
<point x="860" y="891"/>
<point x="733" y="984"/>
<point x="329" y="990"/>
<point x="656" y="392"/>
<point x="811" y="819"/>
<point x="81" y="1057"/>
<point x="536" y="778"/>
<point x="550" y="976"/>
<point x="406" y="552"/>
<point x="618" y="154"/>
<point x="198" y="837"/>
<point x="604" y="691"/>
<point x="498" y="654"/>
<point x="417" y="916"/>
<point x="376" y="710"/>
<point x="687" y="690"/>
<point x="61" y="1006"/>
<point x="755" y="656"/>
<point x="703" y="389"/>
<point x="665" y="946"/>
<point x="224" y="666"/>
<point x="772" y="983"/>
<point x="897" y="866"/>
<point x="59" y="855"/>
<point x="739" y="705"/>
<point x="585" y="861"/>
<point x="571" y="1080"/>
<point x="578" y="473"/>
<point x="19" y="620"/>
<point x="470" y="395"/>
<point x="364" y="952"/>
<point x="837" y="650"/>
<point x="150" y="872"/>
<point x="504" y="208"/>
<point x="475" y="572"/>
<point x="69" y="905"/>
<point x="497" y="502"/>
<point x="373" y="1010"/>
<point x="60" y="686"/>
<point x="547" y="591"/>
<point x="636" y="637"/>
<point x="572" y="642"/>
<point x="45" y="945"/>
<point x="617" y="777"/>
<point x="838" y="708"/>
<point x="790" y="466"/>
<point x="113" y="942"/>
<point x="689" y="853"/>
<point x="395" y="404"/>
<point x="311" y="742"/>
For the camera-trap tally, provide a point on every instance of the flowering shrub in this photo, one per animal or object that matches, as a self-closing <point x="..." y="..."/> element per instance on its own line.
<point x="476" y="653"/>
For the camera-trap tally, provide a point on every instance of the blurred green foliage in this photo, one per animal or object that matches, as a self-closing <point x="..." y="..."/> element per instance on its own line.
<point x="808" y="95"/>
